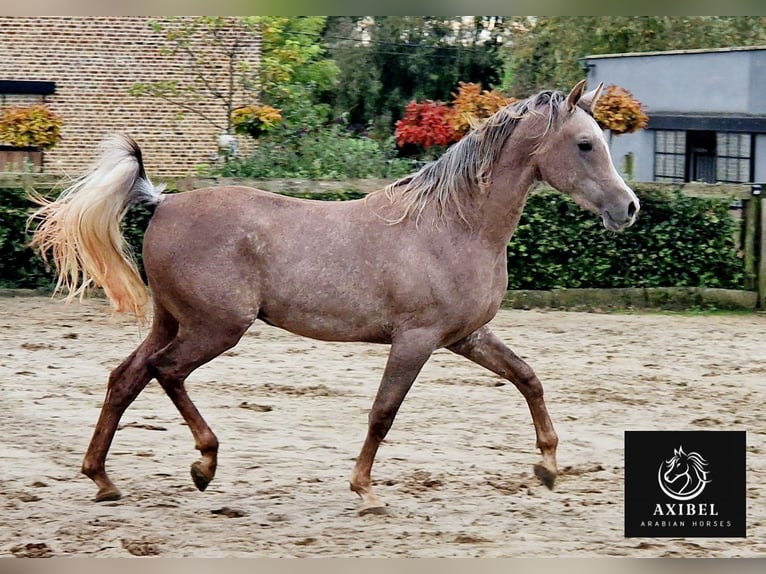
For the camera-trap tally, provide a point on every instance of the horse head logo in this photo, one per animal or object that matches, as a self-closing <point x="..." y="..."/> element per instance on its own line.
<point x="683" y="476"/>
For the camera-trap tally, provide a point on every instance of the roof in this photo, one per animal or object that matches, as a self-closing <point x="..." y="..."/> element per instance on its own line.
<point x="678" y="52"/>
<point x="744" y="123"/>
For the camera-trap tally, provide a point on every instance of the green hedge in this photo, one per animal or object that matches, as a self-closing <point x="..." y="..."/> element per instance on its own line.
<point x="19" y="266"/>
<point x="678" y="241"/>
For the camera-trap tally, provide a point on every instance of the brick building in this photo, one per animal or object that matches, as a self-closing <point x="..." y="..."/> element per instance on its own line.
<point x="93" y="62"/>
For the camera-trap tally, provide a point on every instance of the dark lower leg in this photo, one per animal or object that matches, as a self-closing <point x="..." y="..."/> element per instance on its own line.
<point x="486" y="349"/>
<point x="205" y="441"/>
<point x="125" y="383"/>
<point x="192" y="348"/>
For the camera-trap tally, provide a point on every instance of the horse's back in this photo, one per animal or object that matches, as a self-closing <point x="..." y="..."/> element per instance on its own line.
<point x="241" y="250"/>
<point x="327" y="270"/>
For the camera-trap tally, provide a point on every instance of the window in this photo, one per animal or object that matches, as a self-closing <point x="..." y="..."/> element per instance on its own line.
<point x="669" y="156"/>
<point x="734" y="152"/>
<point x="702" y="155"/>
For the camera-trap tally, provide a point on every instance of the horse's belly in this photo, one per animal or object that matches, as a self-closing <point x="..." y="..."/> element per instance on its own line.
<point x="342" y="325"/>
<point x="328" y="330"/>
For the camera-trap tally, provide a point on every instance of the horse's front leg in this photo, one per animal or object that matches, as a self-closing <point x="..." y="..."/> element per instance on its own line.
<point x="486" y="349"/>
<point x="409" y="352"/>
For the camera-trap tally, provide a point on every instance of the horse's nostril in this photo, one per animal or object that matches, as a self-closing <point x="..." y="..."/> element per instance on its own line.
<point x="632" y="209"/>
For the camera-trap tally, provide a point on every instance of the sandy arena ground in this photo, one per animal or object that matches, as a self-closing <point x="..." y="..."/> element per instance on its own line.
<point x="290" y="413"/>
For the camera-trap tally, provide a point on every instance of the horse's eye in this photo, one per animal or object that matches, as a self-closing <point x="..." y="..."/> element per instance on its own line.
<point x="585" y="146"/>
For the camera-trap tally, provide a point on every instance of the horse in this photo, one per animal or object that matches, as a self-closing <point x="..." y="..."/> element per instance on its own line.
<point x="418" y="265"/>
<point x="689" y="467"/>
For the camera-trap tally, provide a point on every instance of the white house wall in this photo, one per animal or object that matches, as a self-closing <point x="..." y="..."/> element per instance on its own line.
<point x="641" y="146"/>
<point x="760" y="158"/>
<point x="714" y="83"/>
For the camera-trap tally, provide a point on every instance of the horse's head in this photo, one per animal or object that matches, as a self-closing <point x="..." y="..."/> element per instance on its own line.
<point x="676" y="466"/>
<point x="684" y="475"/>
<point x="574" y="157"/>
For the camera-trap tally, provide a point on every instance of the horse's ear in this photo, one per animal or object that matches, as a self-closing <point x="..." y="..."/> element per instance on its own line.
<point x="588" y="100"/>
<point x="575" y="95"/>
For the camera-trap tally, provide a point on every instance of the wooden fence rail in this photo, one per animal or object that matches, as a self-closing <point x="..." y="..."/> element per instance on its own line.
<point x="748" y="205"/>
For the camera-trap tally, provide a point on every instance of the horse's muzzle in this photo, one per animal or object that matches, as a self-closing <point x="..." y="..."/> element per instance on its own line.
<point x="614" y="222"/>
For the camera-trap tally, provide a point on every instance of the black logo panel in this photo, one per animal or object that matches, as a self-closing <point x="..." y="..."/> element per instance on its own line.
<point x="685" y="484"/>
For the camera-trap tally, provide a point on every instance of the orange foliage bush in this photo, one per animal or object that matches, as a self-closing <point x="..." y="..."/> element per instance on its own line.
<point x="618" y="111"/>
<point x="473" y="103"/>
<point x="432" y="123"/>
<point x="35" y="126"/>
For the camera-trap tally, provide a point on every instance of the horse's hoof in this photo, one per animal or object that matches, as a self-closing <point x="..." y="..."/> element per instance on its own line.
<point x="201" y="480"/>
<point x="107" y="494"/>
<point x="545" y="475"/>
<point x="373" y="509"/>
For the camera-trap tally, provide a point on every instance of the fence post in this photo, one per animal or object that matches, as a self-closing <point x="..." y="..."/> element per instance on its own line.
<point x="752" y="210"/>
<point x="759" y="208"/>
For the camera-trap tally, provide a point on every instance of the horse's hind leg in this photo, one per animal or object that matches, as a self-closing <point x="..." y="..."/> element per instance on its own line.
<point x="125" y="384"/>
<point x="486" y="349"/>
<point x="193" y="347"/>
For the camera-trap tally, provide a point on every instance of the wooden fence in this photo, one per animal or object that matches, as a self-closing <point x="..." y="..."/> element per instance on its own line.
<point x="747" y="206"/>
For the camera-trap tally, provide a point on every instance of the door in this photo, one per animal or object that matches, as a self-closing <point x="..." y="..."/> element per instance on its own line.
<point x="701" y="156"/>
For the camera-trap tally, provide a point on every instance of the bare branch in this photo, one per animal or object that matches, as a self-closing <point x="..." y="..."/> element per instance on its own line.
<point x="189" y="108"/>
<point x="199" y="75"/>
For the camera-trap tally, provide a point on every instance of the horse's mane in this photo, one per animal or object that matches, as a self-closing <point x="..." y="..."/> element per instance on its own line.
<point x="465" y="167"/>
<point x="697" y="461"/>
<point x="693" y="459"/>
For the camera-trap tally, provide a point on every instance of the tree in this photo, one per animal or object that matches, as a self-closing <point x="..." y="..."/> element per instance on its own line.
<point x="234" y="61"/>
<point x="220" y="54"/>
<point x="295" y="73"/>
<point x="545" y="50"/>
<point x="387" y="61"/>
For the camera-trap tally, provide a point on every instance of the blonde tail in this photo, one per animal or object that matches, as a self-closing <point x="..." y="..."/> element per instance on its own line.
<point x="81" y="229"/>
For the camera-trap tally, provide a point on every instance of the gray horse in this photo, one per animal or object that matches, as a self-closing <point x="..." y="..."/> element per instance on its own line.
<point x="419" y="265"/>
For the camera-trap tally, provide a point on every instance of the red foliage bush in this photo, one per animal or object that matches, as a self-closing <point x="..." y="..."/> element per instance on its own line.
<point x="425" y="124"/>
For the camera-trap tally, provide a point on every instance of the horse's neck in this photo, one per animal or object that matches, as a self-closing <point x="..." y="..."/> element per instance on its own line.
<point x="688" y="478"/>
<point x="498" y="209"/>
<point x="678" y="475"/>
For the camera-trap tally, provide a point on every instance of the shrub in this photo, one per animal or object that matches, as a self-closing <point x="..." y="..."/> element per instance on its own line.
<point x="617" y="111"/>
<point x="426" y="125"/>
<point x="30" y="126"/>
<point x="19" y="266"/>
<point x="255" y="120"/>
<point x="677" y="241"/>
<point x="432" y="124"/>
<point x="328" y="153"/>
<point x="472" y="103"/>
